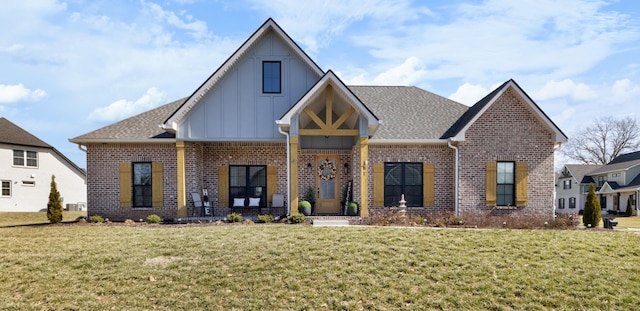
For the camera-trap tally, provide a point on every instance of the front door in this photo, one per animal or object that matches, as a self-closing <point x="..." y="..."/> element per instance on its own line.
<point x="327" y="201"/>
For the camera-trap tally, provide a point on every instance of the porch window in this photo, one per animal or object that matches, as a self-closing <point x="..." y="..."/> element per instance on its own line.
<point x="142" y="187"/>
<point x="25" y="158"/>
<point x="6" y="188"/>
<point x="506" y="184"/>
<point x="403" y="178"/>
<point x="271" y="77"/>
<point x="572" y="202"/>
<point x="248" y="181"/>
<point x="561" y="203"/>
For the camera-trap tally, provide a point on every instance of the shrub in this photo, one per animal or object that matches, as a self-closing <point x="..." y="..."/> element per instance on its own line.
<point x="96" y="219"/>
<point x="389" y="217"/>
<point x="629" y="211"/>
<point x="234" y="217"/>
<point x="592" y="212"/>
<point x="564" y="221"/>
<point x="266" y="218"/>
<point x="248" y="222"/>
<point x="54" y="206"/>
<point x="129" y="222"/>
<point x="304" y="203"/>
<point x="154" y="219"/>
<point x="297" y="219"/>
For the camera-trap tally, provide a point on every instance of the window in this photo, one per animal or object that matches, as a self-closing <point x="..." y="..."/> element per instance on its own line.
<point x="25" y="158"/>
<point x="142" y="194"/>
<point x="29" y="183"/>
<point x="6" y="188"/>
<point x="506" y="184"/>
<point x="567" y="184"/>
<point x="403" y="178"/>
<point x="248" y="181"/>
<point x="271" y="77"/>
<point x="561" y="203"/>
<point x="601" y="180"/>
<point x="572" y="202"/>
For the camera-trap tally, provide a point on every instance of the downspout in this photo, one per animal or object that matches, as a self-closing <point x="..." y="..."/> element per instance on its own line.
<point x="80" y="147"/>
<point x="288" y="170"/>
<point x="455" y="174"/>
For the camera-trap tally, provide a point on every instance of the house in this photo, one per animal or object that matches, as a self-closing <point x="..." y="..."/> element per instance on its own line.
<point x="617" y="182"/>
<point x="270" y="123"/>
<point x="572" y="186"/>
<point x="25" y="174"/>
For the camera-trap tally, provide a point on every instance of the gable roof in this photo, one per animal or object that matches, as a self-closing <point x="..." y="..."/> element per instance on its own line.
<point x="578" y="171"/>
<point x="409" y="113"/>
<point x="12" y="134"/>
<point x="620" y="163"/>
<point x="270" y="25"/>
<point x="458" y="129"/>
<point x="331" y="79"/>
<point x="144" y="127"/>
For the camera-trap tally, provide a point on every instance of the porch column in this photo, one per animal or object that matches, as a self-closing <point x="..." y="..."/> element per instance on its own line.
<point x="364" y="176"/>
<point x="181" y="174"/>
<point x="293" y="178"/>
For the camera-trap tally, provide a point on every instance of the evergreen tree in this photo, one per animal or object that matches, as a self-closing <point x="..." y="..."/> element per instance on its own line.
<point x="592" y="211"/>
<point x="629" y="211"/>
<point x="54" y="207"/>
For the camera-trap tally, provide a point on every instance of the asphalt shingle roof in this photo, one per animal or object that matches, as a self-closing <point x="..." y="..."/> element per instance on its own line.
<point x="578" y="171"/>
<point x="139" y="127"/>
<point x="621" y="162"/>
<point x="15" y="135"/>
<point x="409" y="112"/>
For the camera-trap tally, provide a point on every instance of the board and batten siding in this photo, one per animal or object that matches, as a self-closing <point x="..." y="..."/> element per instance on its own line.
<point x="236" y="109"/>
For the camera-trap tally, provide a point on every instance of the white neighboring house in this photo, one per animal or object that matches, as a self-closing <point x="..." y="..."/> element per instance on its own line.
<point x="26" y="166"/>
<point x="572" y="185"/>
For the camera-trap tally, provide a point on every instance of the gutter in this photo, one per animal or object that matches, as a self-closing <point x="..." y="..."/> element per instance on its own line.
<point x="288" y="170"/>
<point x="456" y="186"/>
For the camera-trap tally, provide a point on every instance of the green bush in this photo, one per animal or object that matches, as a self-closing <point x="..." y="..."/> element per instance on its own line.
<point x="154" y="219"/>
<point x="629" y="211"/>
<point x="297" y="219"/>
<point x="304" y="203"/>
<point x="96" y="219"/>
<point x="592" y="213"/>
<point x="353" y="204"/>
<point x="234" y="217"/>
<point x="265" y="218"/>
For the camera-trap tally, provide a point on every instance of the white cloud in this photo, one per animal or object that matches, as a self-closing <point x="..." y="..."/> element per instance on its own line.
<point x="407" y="73"/>
<point x="624" y="90"/>
<point x="17" y="92"/>
<point x="565" y="88"/>
<point x="122" y="108"/>
<point x="469" y="94"/>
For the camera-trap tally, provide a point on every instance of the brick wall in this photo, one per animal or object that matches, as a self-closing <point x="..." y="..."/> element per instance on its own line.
<point x="507" y="131"/>
<point x="441" y="156"/>
<point x="103" y="179"/>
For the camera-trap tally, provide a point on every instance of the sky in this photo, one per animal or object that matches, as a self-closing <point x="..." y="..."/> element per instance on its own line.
<point x="71" y="67"/>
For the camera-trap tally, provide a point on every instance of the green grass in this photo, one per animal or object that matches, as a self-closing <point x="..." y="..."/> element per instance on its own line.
<point x="628" y="222"/>
<point x="31" y="218"/>
<point x="296" y="267"/>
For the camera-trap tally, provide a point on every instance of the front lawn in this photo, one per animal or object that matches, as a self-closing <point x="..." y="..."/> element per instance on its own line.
<point x="276" y="267"/>
<point x="32" y="218"/>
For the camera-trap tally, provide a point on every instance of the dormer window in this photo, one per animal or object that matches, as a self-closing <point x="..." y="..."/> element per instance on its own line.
<point x="271" y="77"/>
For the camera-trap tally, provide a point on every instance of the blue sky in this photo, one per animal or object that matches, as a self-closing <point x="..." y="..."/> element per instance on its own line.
<point x="70" y="67"/>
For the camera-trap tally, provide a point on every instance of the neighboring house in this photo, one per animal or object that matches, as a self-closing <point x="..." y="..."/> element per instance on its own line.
<point x="270" y="123"/>
<point x="25" y="173"/>
<point x="572" y="185"/>
<point x="617" y="182"/>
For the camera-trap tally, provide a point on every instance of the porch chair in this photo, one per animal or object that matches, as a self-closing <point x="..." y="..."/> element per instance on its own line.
<point x="197" y="203"/>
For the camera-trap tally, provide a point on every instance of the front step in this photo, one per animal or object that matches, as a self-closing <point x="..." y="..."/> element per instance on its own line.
<point x="330" y="222"/>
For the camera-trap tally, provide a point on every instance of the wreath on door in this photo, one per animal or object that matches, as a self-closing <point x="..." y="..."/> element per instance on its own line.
<point x="324" y="166"/>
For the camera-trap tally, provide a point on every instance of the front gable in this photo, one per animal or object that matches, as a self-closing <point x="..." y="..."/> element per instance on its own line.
<point x="232" y="104"/>
<point x="329" y="109"/>
<point x="511" y="89"/>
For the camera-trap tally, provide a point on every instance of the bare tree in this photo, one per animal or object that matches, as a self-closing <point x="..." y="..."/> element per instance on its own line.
<point x="603" y="140"/>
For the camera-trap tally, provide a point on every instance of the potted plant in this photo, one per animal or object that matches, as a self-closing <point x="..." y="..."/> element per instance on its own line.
<point x="352" y="208"/>
<point x="310" y="196"/>
<point x="305" y="207"/>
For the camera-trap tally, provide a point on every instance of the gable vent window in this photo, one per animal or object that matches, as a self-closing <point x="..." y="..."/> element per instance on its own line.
<point x="271" y="77"/>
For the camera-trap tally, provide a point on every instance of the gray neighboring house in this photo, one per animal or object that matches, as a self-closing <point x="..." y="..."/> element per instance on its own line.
<point x="617" y="182"/>
<point x="572" y="185"/>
